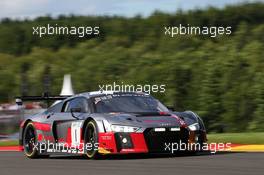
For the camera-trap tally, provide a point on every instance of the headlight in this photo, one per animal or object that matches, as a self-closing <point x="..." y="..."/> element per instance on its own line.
<point x="194" y="127"/>
<point x="118" y="128"/>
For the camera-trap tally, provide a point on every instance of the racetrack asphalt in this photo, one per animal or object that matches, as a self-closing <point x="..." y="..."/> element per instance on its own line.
<point x="15" y="163"/>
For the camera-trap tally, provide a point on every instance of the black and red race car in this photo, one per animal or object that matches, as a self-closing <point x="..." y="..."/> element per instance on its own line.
<point x="98" y="123"/>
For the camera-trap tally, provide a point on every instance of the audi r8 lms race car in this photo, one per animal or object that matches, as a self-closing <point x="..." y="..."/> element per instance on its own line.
<point x="98" y="123"/>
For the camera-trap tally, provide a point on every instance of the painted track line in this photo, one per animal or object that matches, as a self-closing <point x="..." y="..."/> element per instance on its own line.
<point x="10" y="148"/>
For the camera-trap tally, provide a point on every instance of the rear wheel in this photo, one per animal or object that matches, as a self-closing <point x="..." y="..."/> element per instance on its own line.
<point x="29" y="141"/>
<point x="91" y="140"/>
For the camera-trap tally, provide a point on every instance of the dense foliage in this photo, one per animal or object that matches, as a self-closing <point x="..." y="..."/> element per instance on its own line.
<point x="222" y="78"/>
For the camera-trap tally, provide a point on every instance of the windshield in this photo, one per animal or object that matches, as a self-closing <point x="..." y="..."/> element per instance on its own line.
<point x="129" y="103"/>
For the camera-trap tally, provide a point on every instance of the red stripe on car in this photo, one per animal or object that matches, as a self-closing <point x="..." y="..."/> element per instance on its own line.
<point x="42" y="126"/>
<point x="40" y="137"/>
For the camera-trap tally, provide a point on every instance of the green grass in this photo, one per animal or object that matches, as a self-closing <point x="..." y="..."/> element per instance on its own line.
<point x="242" y="138"/>
<point x="9" y="143"/>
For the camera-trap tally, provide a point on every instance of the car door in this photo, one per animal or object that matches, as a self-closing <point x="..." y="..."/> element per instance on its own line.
<point x="48" y="119"/>
<point x="67" y="127"/>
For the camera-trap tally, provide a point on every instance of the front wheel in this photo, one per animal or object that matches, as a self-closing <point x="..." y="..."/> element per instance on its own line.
<point x="91" y="140"/>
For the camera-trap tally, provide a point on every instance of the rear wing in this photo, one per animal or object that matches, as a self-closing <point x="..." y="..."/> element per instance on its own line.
<point x="44" y="97"/>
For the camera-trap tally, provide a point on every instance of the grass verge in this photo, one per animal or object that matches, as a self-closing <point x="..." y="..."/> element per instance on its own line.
<point x="9" y="143"/>
<point x="239" y="138"/>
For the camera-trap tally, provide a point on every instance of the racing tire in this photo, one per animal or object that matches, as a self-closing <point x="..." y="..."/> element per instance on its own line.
<point x="91" y="140"/>
<point x="29" y="140"/>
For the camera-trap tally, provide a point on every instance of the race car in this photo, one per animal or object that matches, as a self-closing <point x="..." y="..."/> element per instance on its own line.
<point x="107" y="122"/>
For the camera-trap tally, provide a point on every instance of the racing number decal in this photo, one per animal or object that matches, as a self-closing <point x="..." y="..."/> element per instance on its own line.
<point x="76" y="133"/>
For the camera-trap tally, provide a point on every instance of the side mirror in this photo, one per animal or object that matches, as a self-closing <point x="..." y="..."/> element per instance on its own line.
<point x="76" y="110"/>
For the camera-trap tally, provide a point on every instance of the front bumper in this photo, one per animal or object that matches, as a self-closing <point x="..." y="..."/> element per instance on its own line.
<point x="150" y="141"/>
